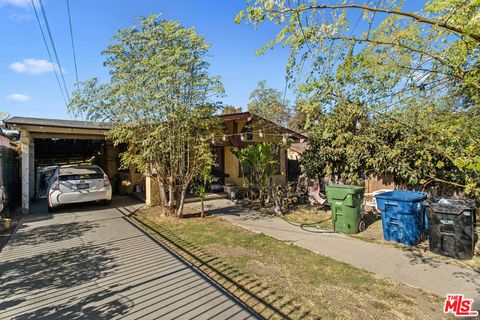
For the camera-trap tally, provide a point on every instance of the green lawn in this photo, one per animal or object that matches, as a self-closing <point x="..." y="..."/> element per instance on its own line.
<point x="280" y="280"/>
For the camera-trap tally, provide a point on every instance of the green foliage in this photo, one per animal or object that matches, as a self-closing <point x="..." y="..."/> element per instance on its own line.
<point x="261" y="160"/>
<point x="399" y="50"/>
<point x="305" y="114"/>
<point x="415" y="76"/>
<point x="417" y="147"/>
<point x="231" y="109"/>
<point x="159" y="101"/>
<point x="340" y="145"/>
<point x="269" y="104"/>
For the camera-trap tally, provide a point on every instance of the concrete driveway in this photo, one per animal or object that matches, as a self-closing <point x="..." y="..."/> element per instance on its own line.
<point x="90" y="262"/>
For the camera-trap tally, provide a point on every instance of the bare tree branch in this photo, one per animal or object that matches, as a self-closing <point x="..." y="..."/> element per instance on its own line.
<point x="444" y="25"/>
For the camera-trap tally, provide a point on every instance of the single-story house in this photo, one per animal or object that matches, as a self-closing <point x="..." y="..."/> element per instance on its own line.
<point x="46" y="142"/>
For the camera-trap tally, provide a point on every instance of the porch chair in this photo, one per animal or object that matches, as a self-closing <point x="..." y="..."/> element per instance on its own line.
<point x="316" y="198"/>
<point x="369" y="200"/>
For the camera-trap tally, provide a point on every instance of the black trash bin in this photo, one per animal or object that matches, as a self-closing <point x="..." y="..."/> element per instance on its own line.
<point x="451" y="227"/>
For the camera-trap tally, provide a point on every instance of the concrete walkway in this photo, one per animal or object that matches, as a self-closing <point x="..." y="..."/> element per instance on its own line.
<point x="428" y="274"/>
<point x="90" y="262"/>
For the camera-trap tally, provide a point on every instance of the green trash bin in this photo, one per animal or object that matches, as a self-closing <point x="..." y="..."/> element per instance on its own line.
<point x="346" y="202"/>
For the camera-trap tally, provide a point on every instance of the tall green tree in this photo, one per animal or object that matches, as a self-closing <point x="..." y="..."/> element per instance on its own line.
<point x="416" y="75"/>
<point x="229" y="109"/>
<point x="393" y="54"/>
<point x="160" y="100"/>
<point x="305" y="113"/>
<point x="269" y="103"/>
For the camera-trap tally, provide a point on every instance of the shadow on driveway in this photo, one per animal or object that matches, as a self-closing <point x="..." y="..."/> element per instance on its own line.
<point x="93" y="264"/>
<point x="53" y="270"/>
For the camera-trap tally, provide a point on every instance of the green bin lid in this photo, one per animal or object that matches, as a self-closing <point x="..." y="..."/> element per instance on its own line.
<point x="346" y="187"/>
<point x="341" y="191"/>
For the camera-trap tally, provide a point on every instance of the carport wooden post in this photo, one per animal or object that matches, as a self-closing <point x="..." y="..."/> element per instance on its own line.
<point x="32" y="168"/>
<point x="25" y="140"/>
<point x="151" y="192"/>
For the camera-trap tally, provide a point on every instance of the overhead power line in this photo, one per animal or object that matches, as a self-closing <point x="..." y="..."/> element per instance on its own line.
<point x="54" y="49"/>
<point x="48" y="51"/>
<point x="73" y="44"/>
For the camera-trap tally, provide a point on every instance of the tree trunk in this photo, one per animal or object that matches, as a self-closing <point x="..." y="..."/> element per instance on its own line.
<point x="181" y="202"/>
<point x="171" y="196"/>
<point x="162" y="193"/>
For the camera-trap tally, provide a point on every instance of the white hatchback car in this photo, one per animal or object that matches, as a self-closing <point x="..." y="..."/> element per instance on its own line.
<point x="77" y="184"/>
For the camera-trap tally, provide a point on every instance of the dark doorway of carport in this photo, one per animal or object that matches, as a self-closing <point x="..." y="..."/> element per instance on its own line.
<point x="52" y="152"/>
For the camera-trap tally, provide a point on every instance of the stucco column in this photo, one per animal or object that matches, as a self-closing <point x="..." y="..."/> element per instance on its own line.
<point x="25" y="144"/>
<point x="151" y="192"/>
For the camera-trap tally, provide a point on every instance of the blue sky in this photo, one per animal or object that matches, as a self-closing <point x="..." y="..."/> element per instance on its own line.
<point x="28" y="86"/>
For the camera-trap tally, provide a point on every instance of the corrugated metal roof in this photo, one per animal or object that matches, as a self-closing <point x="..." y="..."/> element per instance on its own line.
<point x="57" y="123"/>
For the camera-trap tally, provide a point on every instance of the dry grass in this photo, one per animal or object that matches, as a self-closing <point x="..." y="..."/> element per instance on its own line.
<point x="374" y="233"/>
<point x="280" y="280"/>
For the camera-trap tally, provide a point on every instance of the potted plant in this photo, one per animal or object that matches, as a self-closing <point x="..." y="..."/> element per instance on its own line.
<point x="7" y="223"/>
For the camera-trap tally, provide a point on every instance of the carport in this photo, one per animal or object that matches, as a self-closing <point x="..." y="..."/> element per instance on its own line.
<point x="46" y="142"/>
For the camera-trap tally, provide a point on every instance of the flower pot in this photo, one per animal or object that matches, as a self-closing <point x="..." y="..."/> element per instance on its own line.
<point x="7" y="223"/>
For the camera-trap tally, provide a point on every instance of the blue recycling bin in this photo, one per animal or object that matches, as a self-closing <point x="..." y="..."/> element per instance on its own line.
<point x="403" y="215"/>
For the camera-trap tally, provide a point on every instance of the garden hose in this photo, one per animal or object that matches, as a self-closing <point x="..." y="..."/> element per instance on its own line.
<point x="303" y="226"/>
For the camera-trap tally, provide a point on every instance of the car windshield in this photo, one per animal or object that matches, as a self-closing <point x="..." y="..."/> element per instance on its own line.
<point x="80" y="173"/>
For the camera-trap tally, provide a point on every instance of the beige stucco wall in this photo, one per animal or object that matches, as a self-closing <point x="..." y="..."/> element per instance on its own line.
<point x="232" y="168"/>
<point x="151" y="192"/>
<point x="128" y="181"/>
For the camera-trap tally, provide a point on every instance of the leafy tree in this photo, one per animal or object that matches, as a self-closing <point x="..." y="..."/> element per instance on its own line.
<point x="231" y="109"/>
<point x="159" y="101"/>
<point x="306" y="113"/>
<point x="400" y="52"/>
<point x="269" y="104"/>
<point x="339" y="145"/>
<point x="417" y="147"/>
<point x="415" y="75"/>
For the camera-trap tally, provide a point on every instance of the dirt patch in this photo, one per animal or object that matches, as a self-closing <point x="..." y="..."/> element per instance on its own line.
<point x="224" y="251"/>
<point x="262" y="269"/>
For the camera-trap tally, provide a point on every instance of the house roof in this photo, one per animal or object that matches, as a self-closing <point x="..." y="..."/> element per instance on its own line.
<point x="247" y="114"/>
<point x="77" y="124"/>
<point x="18" y="121"/>
<point x="299" y="147"/>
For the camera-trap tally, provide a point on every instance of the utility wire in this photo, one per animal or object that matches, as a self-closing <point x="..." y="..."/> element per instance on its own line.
<point x="53" y="47"/>
<point x="73" y="44"/>
<point x="49" y="53"/>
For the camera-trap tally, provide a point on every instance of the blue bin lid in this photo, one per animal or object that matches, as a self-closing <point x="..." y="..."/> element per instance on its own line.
<point x="402" y="195"/>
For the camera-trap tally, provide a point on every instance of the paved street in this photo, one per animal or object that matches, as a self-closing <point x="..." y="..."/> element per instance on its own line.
<point x="90" y="262"/>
